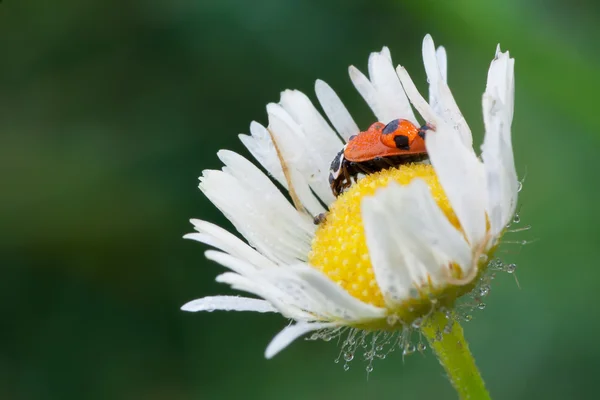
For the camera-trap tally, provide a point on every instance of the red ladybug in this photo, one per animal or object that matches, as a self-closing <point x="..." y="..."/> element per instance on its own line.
<point x="379" y="147"/>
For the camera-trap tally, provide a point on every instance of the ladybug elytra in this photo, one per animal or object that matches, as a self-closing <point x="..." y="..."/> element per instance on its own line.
<point x="379" y="147"/>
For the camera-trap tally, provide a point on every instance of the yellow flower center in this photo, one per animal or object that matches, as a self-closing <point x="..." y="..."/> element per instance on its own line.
<point x="339" y="248"/>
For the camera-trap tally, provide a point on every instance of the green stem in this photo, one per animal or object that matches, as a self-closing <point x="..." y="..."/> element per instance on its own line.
<point x="453" y="353"/>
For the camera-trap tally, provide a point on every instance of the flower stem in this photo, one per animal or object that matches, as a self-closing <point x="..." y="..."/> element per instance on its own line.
<point x="453" y="353"/>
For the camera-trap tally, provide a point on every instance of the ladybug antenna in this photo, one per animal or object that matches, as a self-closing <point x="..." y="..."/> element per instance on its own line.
<point x="423" y="130"/>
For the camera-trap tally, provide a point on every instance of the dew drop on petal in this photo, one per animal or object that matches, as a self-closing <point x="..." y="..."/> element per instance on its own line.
<point x="468" y="317"/>
<point x="516" y="219"/>
<point x="510" y="268"/>
<point x="346" y="367"/>
<point x="369" y="368"/>
<point x="481" y="306"/>
<point x="421" y="347"/>
<point x="348" y="356"/>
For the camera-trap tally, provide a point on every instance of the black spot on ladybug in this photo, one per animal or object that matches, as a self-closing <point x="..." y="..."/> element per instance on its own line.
<point x="391" y="127"/>
<point x="335" y="164"/>
<point x="402" y="142"/>
<point x="422" y="131"/>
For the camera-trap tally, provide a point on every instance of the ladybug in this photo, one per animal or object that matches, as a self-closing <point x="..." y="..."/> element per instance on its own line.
<point x="379" y="147"/>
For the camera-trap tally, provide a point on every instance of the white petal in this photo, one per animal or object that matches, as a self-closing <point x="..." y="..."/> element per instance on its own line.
<point x="228" y="303"/>
<point x="367" y="91"/>
<point x="441" y="99"/>
<point x="392" y="98"/>
<point x="239" y="282"/>
<point x="340" y="304"/>
<point x="308" y="169"/>
<point x="235" y="264"/>
<point x="262" y="288"/>
<point x="416" y="99"/>
<point x="325" y="302"/>
<point x="322" y="141"/>
<point x="461" y="175"/>
<point x="387" y="255"/>
<point x="497" y="153"/>
<point x="258" y="210"/>
<point x="262" y="149"/>
<point x="282" y="287"/>
<point x="442" y="59"/>
<point x="383" y="92"/>
<point x="335" y="110"/>
<point x="218" y="237"/>
<point x="291" y="333"/>
<point x="426" y="239"/>
<point x="426" y="222"/>
<point x="442" y="63"/>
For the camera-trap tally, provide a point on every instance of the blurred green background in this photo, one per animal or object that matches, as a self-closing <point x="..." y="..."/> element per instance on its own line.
<point x="110" y="110"/>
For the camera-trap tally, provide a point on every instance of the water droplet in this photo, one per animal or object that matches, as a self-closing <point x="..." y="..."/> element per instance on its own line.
<point x="382" y="356"/>
<point x="417" y="323"/>
<point x="468" y="317"/>
<point x="379" y="348"/>
<point x="326" y="338"/>
<point x="408" y="349"/>
<point x="519" y="186"/>
<point x="484" y="290"/>
<point x="337" y="360"/>
<point x="346" y="367"/>
<point x="369" y="368"/>
<point x="421" y="347"/>
<point x="510" y="268"/>
<point x="516" y="219"/>
<point x="392" y="319"/>
<point x="348" y="356"/>
<point x="481" y="306"/>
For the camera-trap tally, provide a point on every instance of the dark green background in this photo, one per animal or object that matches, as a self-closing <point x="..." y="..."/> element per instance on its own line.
<point x="110" y="110"/>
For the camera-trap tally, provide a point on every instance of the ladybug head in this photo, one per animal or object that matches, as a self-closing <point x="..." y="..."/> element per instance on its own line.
<point x="399" y="134"/>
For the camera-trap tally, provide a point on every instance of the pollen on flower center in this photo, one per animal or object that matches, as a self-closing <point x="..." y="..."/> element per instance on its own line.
<point x="339" y="248"/>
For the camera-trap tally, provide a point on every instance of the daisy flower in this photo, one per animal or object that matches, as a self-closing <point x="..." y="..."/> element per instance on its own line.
<point x="398" y="248"/>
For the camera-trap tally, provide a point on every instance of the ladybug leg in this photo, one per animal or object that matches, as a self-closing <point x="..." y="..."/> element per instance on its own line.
<point x="363" y="168"/>
<point x="388" y="162"/>
<point x="347" y="176"/>
<point x="319" y="219"/>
